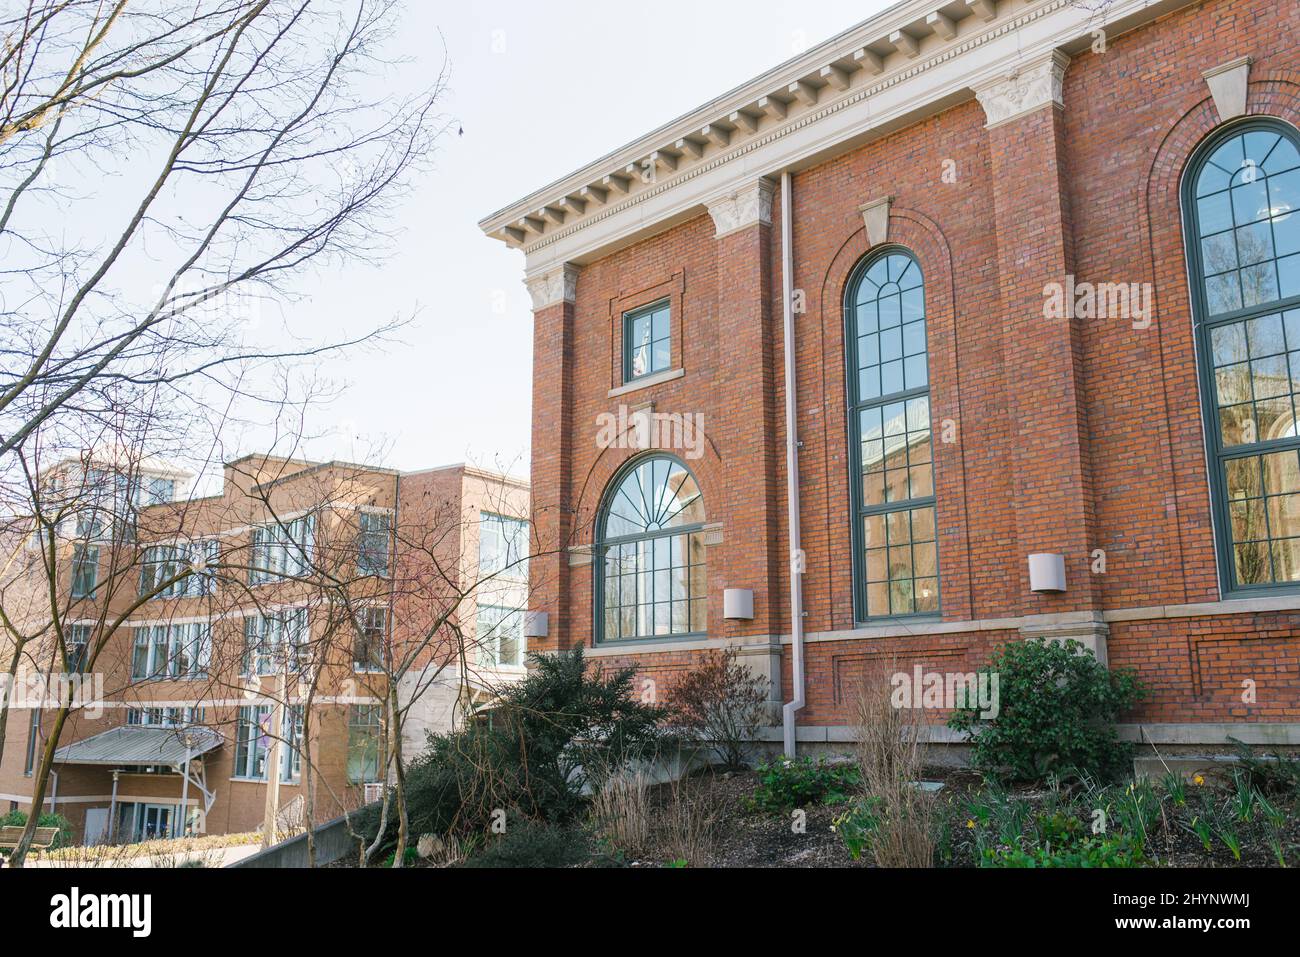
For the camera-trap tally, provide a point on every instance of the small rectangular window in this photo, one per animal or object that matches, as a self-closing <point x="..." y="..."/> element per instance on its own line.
<point x="503" y="545"/>
<point x="78" y="641"/>
<point x="372" y="544"/>
<point x="33" y="739"/>
<point x="364" y="729"/>
<point x="85" y="571"/>
<point x="368" y="649"/>
<point x="500" y="637"/>
<point x="276" y="641"/>
<point x="253" y="740"/>
<point x="647" y="341"/>
<point x="185" y="570"/>
<point x="181" y="651"/>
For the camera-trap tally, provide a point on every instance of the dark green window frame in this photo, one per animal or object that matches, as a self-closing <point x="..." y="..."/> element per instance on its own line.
<point x="899" y="393"/>
<point x="661" y="334"/>
<point x="659" y="535"/>
<point x="1248" y="326"/>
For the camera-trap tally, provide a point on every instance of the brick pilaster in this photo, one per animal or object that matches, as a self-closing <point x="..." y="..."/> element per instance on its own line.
<point x="1052" y="505"/>
<point x="750" y="504"/>
<point x="553" y="293"/>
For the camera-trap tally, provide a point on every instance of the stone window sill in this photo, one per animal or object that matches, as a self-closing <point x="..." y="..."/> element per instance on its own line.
<point x="659" y="378"/>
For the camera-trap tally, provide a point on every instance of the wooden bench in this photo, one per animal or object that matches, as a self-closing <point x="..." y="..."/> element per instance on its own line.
<point x="42" y="840"/>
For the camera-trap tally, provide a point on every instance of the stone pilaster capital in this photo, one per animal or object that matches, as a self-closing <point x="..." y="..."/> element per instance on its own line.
<point x="553" y="286"/>
<point x="746" y="206"/>
<point x="1029" y="87"/>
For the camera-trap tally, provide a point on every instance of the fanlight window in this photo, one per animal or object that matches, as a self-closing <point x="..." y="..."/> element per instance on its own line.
<point x="650" y="563"/>
<point x="1243" y="211"/>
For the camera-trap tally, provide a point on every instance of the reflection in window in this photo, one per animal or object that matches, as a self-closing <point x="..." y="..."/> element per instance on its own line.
<point x="1244" y="191"/>
<point x="254" y="737"/>
<point x="181" y="651"/>
<point x="647" y="341"/>
<point x="500" y="637"/>
<point x="276" y="642"/>
<point x="375" y="530"/>
<point x="282" y="550"/>
<point x="898" y="572"/>
<point x="371" y="640"/>
<point x="503" y="544"/>
<point x="650" y="557"/>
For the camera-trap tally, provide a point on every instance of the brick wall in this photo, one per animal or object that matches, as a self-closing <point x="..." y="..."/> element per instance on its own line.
<point x="1069" y="436"/>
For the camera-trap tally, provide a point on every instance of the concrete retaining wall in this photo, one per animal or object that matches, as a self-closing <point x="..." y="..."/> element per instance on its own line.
<point x="333" y="844"/>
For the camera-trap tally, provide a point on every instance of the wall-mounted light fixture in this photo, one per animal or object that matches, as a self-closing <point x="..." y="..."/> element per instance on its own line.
<point x="738" y="604"/>
<point x="1047" y="574"/>
<point x="537" y="624"/>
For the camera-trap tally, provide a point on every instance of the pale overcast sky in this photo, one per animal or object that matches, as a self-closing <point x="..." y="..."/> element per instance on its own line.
<point x="541" y="89"/>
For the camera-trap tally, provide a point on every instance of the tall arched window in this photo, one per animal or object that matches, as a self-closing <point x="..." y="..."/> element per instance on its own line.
<point x="649" y="567"/>
<point x="1242" y="205"/>
<point x="896" y="561"/>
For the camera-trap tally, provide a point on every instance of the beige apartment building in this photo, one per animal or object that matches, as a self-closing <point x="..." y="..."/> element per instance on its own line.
<point x="246" y="652"/>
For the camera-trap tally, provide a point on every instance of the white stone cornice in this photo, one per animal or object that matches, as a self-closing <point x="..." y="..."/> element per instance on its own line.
<point x="795" y="137"/>
<point x="553" y="286"/>
<point x="747" y="206"/>
<point x="1029" y="87"/>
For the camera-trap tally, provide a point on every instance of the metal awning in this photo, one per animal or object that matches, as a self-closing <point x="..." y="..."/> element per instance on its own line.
<point x="131" y="745"/>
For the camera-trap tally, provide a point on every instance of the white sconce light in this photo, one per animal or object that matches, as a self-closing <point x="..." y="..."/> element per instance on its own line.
<point x="537" y="624"/>
<point x="738" y="604"/>
<point x="1047" y="574"/>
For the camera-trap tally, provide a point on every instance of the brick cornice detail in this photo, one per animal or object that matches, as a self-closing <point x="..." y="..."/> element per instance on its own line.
<point x="553" y="286"/>
<point x="745" y="207"/>
<point x="1031" y="86"/>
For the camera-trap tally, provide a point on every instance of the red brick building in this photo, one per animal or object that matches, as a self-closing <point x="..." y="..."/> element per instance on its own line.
<point x="1024" y="278"/>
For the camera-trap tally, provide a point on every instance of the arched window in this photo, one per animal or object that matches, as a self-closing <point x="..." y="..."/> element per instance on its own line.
<point x="649" y="567"/>
<point x="896" y="562"/>
<point x="1242" y="205"/>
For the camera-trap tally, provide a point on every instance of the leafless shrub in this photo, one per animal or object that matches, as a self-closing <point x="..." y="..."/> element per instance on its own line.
<point x="620" y="811"/>
<point x="686" y="825"/>
<point x="891" y="755"/>
<point x="720" y="704"/>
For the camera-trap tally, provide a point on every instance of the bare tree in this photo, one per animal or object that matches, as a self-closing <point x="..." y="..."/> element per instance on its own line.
<point x="395" y="619"/>
<point x="258" y="140"/>
<point x="167" y="175"/>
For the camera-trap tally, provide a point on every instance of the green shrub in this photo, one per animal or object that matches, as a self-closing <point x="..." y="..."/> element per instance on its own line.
<point x="1114" y="851"/>
<point x="410" y="858"/>
<point x="535" y="844"/>
<point x="1057" y="709"/>
<point x="62" y="839"/>
<point x="785" y="785"/>
<point x="534" y="755"/>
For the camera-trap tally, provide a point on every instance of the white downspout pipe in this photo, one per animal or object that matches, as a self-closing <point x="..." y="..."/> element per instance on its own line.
<point x="796" y="562"/>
